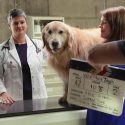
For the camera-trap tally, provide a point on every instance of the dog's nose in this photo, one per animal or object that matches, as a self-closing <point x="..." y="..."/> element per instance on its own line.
<point x="55" y="44"/>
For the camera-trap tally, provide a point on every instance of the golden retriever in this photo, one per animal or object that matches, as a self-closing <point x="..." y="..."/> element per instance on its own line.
<point x="64" y="42"/>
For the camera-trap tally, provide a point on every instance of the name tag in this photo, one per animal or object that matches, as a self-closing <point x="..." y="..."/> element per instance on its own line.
<point x="101" y="93"/>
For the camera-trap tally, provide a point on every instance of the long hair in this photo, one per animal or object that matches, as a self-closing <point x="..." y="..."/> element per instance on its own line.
<point x="116" y="19"/>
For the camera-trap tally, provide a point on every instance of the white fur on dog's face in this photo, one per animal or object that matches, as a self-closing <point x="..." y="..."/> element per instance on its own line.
<point x="55" y="35"/>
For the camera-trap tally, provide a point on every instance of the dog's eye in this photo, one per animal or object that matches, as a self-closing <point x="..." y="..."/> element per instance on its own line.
<point x="61" y="32"/>
<point x="50" y="32"/>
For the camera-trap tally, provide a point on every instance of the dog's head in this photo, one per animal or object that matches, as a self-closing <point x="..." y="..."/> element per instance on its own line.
<point x="56" y="36"/>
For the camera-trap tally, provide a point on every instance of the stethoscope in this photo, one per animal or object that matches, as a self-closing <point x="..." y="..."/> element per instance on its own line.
<point x="6" y="46"/>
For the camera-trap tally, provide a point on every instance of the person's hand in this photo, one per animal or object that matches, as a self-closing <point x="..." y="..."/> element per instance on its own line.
<point x="6" y="98"/>
<point x="97" y="68"/>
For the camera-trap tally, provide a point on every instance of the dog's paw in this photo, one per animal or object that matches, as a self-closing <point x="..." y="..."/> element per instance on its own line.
<point x="63" y="100"/>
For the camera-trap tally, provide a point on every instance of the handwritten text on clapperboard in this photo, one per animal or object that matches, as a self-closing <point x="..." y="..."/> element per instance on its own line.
<point x="96" y="92"/>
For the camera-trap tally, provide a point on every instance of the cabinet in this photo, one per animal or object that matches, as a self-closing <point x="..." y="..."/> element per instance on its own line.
<point x="53" y="83"/>
<point x="56" y="118"/>
<point x="36" y="24"/>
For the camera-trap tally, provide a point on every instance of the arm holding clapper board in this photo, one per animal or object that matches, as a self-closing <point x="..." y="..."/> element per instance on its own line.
<point x="102" y="93"/>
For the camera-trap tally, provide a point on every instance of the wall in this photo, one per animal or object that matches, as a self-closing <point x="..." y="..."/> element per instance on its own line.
<point x="80" y="13"/>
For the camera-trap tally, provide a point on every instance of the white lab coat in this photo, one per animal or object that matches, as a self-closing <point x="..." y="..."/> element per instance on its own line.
<point x="11" y="74"/>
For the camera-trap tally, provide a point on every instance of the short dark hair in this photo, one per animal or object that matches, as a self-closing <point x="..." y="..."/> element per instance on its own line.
<point x="14" y="13"/>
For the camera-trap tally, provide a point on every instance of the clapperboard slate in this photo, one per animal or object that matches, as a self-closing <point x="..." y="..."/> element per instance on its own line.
<point x="103" y="92"/>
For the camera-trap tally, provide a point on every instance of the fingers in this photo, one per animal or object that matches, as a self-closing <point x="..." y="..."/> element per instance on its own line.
<point x="6" y="98"/>
<point x="96" y="68"/>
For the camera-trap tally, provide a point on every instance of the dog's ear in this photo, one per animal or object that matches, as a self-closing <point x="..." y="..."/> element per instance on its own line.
<point x="43" y="36"/>
<point x="71" y="36"/>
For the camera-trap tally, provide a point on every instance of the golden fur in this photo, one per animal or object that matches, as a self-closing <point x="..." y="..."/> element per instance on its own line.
<point x="64" y="42"/>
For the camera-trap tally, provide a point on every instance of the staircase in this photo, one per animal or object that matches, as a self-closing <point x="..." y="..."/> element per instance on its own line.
<point x="53" y="83"/>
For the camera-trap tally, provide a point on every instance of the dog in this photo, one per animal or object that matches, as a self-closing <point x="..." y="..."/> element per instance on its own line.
<point x="64" y="42"/>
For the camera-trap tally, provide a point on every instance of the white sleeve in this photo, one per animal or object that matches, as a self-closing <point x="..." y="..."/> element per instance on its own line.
<point x="2" y="87"/>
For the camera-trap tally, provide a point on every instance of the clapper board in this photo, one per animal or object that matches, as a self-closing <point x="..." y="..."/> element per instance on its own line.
<point x="103" y="92"/>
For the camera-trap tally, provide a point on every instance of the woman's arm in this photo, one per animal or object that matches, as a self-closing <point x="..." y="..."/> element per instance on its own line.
<point x="108" y="53"/>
